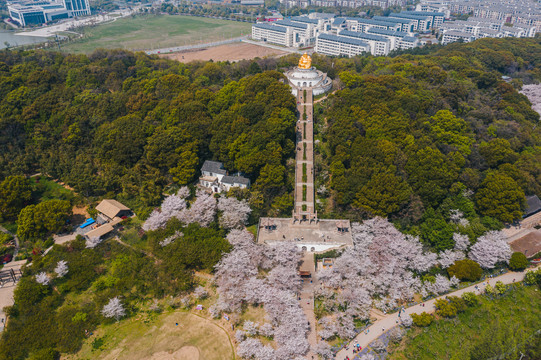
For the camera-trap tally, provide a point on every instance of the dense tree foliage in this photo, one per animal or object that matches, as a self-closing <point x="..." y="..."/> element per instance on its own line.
<point x="466" y="269"/>
<point x="48" y="217"/>
<point x="518" y="261"/>
<point x="131" y="124"/>
<point x="416" y="137"/>
<point x="15" y="193"/>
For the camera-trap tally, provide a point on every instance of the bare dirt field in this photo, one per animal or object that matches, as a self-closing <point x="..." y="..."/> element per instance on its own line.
<point x="232" y="52"/>
<point x="529" y="244"/>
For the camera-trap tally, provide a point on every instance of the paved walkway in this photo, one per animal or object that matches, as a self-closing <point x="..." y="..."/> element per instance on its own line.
<point x="196" y="46"/>
<point x="392" y="320"/>
<point x="307" y="300"/>
<point x="304" y="157"/>
<point x="7" y="289"/>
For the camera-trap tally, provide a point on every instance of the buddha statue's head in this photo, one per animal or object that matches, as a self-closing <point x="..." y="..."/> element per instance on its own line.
<point x="305" y="62"/>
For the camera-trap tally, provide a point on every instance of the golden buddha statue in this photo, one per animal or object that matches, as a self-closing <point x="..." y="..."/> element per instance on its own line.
<point x="305" y="62"/>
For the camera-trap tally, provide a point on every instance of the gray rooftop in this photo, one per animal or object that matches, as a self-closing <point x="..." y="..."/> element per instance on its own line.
<point x="236" y="180"/>
<point x="214" y="167"/>
<point x="533" y="205"/>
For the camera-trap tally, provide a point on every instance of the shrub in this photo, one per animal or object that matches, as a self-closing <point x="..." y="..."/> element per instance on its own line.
<point x="470" y="298"/>
<point x="445" y="308"/>
<point x="518" y="262"/>
<point x="459" y="303"/>
<point x="533" y="277"/>
<point x="500" y="288"/>
<point x="465" y="269"/>
<point x="423" y="319"/>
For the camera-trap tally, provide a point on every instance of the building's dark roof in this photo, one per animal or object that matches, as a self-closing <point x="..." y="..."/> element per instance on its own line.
<point x="409" y="16"/>
<point x="339" y="21"/>
<point x="343" y="39"/>
<point x="236" y="180"/>
<point x="400" y="34"/>
<point x="363" y="36"/>
<point x="392" y="20"/>
<point x="290" y="23"/>
<point x="372" y="22"/>
<point x="533" y="205"/>
<point x="304" y="19"/>
<point x="213" y="167"/>
<point x="270" y="27"/>
<point x="424" y="13"/>
<point x="409" y="39"/>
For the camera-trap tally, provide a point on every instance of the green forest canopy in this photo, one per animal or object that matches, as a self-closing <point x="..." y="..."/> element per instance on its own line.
<point x="411" y="136"/>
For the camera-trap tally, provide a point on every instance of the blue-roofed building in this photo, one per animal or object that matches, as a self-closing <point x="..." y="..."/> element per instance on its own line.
<point x="273" y="34"/>
<point x="422" y="23"/>
<point x="437" y="18"/>
<point x="379" y="45"/>
<point x="336" y="45"/>
<point x="305" y="19"/>
<point x="398" y="39"/>
<point x="407" y="25"/>
<point x="299" y="31"/>
<point x="362" y="24"/>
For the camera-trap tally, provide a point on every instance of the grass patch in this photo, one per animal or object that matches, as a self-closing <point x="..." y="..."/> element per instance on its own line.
<point x="304" y="151"/>
<point x="304" y="132"/>
<point x="142" y="337"/>
<point x="252" y="229"/>
<point x="518" y="310"/>
<point x="156" y="31"/>
<point x="304" y="193"/>
<point x="304" y="176"/>
<point x="44" y="189"/>
<point x="11" y="227"/>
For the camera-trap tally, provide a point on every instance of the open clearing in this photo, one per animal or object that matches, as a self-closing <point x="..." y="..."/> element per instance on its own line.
<point x="230" y="52"/>
<point x="149" y="32"/>
<point x="158" y="338"/>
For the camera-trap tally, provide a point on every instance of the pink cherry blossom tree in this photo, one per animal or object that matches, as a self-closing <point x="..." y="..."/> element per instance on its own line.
<point x="61" y="268"/>
<point x="490" y="249"/>
<point x="234" y="213"/>
<point x="42" y="278"/>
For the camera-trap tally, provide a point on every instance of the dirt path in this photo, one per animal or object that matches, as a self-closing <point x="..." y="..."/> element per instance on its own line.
<point x="392" y="320"/>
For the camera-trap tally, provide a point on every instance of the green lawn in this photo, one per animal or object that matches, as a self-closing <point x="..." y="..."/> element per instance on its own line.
<point x="147" y="32"/>
<point x="504" y="321"/>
